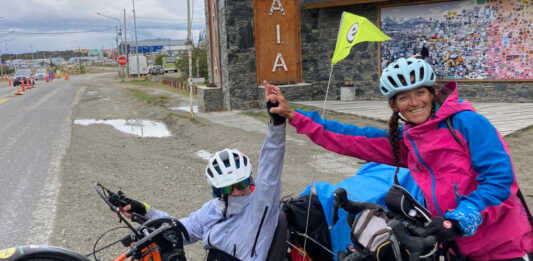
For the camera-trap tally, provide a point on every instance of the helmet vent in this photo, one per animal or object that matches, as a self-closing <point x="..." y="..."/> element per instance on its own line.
<point x="409" y="62"/>
<point x="421" y="73"/>
<point x="402" y="80"/>
<point x="245" y="159"/>
<point x="210" y="173"/>
<point x="432" y="76"/>
<point x="226" y="163"/>
<point x="412" y="77"/>
<point x="384" y="90"/>
<point x="393" y="82"/>
<point x="397" y="66"/>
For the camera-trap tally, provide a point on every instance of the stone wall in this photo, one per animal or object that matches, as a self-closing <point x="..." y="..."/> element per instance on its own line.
<point x="209" y="99"/>
<point x="237" y="48"/>
<point x="319" y="32"/>
<point x="496" y="91"/>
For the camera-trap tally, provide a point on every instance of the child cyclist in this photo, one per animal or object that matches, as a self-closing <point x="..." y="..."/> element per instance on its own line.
<point x="463" y="168"/>
<point x="239" y="223"/>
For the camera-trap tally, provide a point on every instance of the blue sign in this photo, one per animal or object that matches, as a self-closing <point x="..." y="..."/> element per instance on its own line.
<point x="146" y="49"/>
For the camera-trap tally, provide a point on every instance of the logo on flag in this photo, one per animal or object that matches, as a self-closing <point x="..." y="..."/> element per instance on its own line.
<point x="352" y="33"/>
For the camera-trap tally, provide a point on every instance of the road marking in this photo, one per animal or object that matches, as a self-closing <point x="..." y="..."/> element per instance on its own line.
<point x="2" y="100"/>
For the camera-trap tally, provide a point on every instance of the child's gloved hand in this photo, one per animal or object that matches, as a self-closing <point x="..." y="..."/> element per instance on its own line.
<point x="120" y="200"/>
<point x="276" y="118"/>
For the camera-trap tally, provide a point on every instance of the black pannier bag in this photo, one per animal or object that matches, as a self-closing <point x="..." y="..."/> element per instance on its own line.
<point x="372" y="232"/>
<point x="296" y="212"/>
<point x="399" y="201"/>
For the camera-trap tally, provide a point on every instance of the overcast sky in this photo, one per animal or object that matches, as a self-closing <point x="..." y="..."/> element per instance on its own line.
<point x="38" y="25"/>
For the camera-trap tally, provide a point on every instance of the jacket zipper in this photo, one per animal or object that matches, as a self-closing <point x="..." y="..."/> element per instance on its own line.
<point x="456" y="190"/>
<point x="258" y="231"/>
<point x="433" y="180"/>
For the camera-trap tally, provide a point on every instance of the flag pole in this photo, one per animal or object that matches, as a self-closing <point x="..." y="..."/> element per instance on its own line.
<point x="313" y="176"/>
<point x="327" y="90"/>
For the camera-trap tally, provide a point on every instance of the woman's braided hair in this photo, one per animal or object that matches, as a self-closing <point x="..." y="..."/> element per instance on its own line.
<point x="394" y="134"/>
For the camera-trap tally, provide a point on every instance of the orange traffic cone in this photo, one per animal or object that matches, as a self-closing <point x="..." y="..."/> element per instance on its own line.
<point x="9" y="80"/>
<point x="20" y="91"/>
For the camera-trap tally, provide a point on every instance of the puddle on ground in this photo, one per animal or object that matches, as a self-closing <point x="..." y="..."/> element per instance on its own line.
<point x="185" y="108"/>
<point x="142" y="128"/>
<point x="203" y="154"/>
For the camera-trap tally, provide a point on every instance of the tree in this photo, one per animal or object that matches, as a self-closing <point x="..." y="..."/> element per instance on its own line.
<point x="159" y="60"/>
<point x="199" y="54"/>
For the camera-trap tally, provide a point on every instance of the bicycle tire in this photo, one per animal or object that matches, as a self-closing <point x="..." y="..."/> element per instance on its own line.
<point x="44" y="253"/>
<point x="37" y="258"/>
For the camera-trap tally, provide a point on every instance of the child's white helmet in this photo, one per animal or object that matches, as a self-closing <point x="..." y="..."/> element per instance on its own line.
<point x="227" y="167"/>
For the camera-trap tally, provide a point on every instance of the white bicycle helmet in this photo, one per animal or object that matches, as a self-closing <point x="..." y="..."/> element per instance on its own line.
<point x="227" y="167"/>
<point x="396" y="77"/>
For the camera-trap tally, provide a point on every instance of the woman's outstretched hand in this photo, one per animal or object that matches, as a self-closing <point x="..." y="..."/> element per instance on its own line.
<point x="273" y="94"/>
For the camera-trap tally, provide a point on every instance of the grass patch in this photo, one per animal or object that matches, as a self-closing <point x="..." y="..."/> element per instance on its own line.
<point x="172" y="118"/>
<point x="157" y="85"/>
<point x="158" y="100"/>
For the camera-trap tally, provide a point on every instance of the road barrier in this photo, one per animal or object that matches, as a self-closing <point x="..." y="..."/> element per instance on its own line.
<point x="174" y="83"/>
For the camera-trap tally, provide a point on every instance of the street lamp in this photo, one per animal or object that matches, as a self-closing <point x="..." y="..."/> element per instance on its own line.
<point x="116" y="19"/>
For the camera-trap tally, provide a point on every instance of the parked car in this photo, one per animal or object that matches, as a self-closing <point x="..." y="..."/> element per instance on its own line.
<point x="40" y="74"/>
<point x="23" y="75"/>
<point x="155" y="69"/>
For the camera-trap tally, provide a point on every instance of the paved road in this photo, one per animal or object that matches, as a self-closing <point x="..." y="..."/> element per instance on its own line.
<point x="34" y="133"/>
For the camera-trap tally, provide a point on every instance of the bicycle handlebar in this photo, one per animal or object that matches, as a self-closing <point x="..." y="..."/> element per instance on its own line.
<point x="148" y="239"/>
<point x="409" y="235"/>
<point x="151" y="231"/>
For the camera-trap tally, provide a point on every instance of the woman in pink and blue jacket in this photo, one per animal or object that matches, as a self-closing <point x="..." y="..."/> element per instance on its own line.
<point x="467" y="178"/>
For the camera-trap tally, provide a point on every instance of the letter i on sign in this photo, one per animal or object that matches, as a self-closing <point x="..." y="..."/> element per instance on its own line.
<point x="279" y="61"/>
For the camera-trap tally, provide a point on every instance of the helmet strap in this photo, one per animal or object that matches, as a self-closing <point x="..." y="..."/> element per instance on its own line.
<point x="400" y="117"/>
<point x="226" y="201"/>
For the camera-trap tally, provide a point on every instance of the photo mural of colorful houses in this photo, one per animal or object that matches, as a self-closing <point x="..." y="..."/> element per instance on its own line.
<point x="474" y="39"/>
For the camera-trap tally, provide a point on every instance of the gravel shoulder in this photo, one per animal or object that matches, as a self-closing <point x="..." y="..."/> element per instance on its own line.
<point x="167" y="172"/>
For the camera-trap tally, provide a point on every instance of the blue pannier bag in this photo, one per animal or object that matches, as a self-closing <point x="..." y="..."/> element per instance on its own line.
<point x="370" y="184"/>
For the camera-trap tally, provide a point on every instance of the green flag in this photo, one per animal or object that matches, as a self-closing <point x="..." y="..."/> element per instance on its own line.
<point x="354" y="29"/>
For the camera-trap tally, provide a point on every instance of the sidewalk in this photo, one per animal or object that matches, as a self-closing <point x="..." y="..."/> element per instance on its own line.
<point x="506" y="117"/>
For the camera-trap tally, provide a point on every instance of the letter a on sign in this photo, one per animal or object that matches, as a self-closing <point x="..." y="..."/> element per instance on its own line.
<point x="276" y="6"/>
<point x="279" y="63"/>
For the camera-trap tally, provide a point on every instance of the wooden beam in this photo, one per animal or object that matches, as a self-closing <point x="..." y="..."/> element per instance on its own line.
<point x="340" y="3"/>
